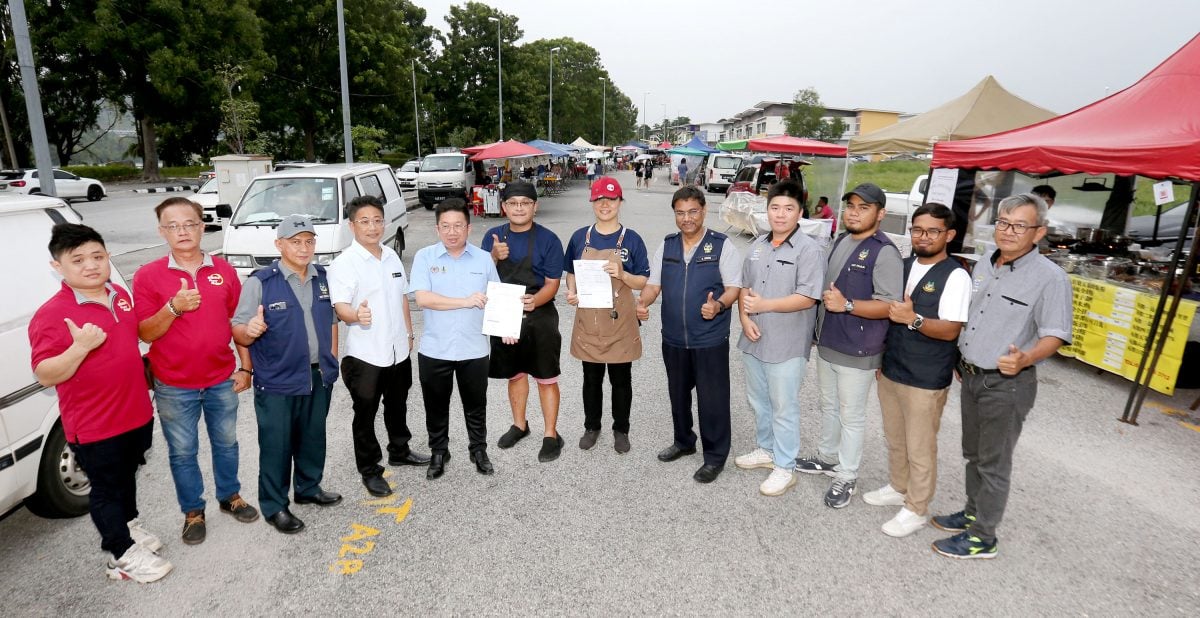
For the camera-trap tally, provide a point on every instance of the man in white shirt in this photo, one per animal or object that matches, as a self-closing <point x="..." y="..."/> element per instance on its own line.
<point x="367" y="286"/>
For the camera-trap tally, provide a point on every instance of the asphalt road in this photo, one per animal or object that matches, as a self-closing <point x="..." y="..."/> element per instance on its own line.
<point x="1100" y="521"/>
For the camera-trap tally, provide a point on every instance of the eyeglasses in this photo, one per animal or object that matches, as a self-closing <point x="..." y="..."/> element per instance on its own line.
<point x="452" y="227"/>
<point x="519" y="203"/>
<point x="932" y="232"/>
<point x="688" y="214"/>
<point x="1018" y="228"/>
<point x="175" y="227"/>
<point x="369" y="222"/>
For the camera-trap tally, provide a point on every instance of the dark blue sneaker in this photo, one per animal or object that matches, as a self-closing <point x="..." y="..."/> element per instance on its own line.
<point x="814" y="465"/>
<point x="963" y="546"/>
<point x="954" y="522"/>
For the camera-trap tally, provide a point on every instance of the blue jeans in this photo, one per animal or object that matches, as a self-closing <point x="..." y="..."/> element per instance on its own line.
<point x="774" y="393"/>
<point x="844" y="393"/>
<point x="179" y="411"/>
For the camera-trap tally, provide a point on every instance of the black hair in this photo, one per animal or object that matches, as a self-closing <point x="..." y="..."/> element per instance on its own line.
<point x="787" y="188"/>
<point x="687" y="193"/>
<point x="178" y="201"/>
<point x="453" y="204"/>
<point x="66" y="237"/>
<point x="822" y="200"/>
<point x="937" y="211"/>
<point x="363" y="201"/>
<point x="1045" y="191"/>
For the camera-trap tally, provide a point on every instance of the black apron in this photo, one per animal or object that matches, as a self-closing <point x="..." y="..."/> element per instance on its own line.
<point x="538" y="350"/>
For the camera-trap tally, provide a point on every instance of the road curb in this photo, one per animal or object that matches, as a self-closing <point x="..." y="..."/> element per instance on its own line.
<point x="166" y="189"/>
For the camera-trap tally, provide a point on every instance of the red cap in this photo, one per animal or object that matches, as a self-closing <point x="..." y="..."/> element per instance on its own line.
<point x="606" y="186"/>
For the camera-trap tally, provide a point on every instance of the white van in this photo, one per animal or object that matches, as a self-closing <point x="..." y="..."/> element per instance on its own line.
<point x="719" y="171"/>
<point x="36" y="465"/>
<point x="321" y="193"/>
<point x="443" y="175"/>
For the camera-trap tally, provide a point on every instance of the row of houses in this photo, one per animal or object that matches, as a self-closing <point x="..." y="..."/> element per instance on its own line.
<point x="769" y="118"/>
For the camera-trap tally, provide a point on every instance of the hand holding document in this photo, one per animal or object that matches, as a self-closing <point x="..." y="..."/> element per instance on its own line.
<point x="504" y="309"/>
<point x="593" y="285"/>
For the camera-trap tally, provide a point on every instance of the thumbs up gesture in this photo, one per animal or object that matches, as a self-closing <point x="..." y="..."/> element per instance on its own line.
<point x="753" y="303"/>
<point x="499" y="249"/>
<point x="364" y="314"/>
<point x="902" y="312"/>
<point x="185" y="299"/>
<point x="257" y="324"/>
<point x="710" y="308"/>
<point x="642" y="311"/>
<point x="89" y="336"/>
<point x="833" y="299"/>
<point x="1012" y="363"/>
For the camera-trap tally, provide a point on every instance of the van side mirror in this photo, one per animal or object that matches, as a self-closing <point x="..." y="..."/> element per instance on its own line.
<point x="224" y="211"/>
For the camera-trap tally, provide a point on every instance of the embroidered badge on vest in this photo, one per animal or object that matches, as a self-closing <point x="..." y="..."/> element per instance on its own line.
<point x="216" y="279"/>
<point x="929" y="287"/>
<point x="862" y="255"/>
<point x="124" y="305"/>
<point x="708" y="247"/>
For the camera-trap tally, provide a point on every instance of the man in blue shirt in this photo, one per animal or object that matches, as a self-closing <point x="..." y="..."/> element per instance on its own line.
<point x="449" y="283"/>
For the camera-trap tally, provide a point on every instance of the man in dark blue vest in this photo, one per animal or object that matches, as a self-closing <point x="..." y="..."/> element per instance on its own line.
<point x="864" y="278"/>
<point x="286" y="319"/>
<point x="698" y="273"/>
<point x="918" y="366"/>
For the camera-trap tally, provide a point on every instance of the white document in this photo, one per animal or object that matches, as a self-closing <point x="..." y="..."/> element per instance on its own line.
<point x="942" y="185"/>
<point x="593" y="285"/>
<point x="1164" y="193"/>
<point x="503" y="312"/>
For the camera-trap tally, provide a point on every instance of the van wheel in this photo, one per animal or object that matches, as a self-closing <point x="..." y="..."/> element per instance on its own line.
<point x="94" y="193"/>
<point x="428" y="206"/>
<point x="62" y="486"/>
<point x="398" y="243"/>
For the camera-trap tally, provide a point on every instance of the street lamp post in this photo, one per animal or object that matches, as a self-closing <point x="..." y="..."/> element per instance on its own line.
<point x="604" y="111"/>
<point x="644" y="94"/>
<point x="664" y="131"/>
<point x="416" y="116"/>
<point x="499" y="75"/>
<point x="550" y="113"/>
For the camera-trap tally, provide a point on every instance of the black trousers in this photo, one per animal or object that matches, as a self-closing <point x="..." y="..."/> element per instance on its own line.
<point x="368" y="384"/>
<point x="437" y="384"/>
<point x="291" y="444"/>
<point x="111" y="465"/>
<point x="707" y="371"/>
<point x="620" y="378"/>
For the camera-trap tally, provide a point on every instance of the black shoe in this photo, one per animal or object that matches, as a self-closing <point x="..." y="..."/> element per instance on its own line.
<point x="285" y="522"/>
<point x="673" y="452"/>
<point x="707" y="473"/>
<point x="321" y="498"/>
<point x="241" y="511"/>
<point x="589" y="438"/>
<point x="376" y="486"/>
<point x="551" y="449"/>
<point x="482" y="463"/>
<point x="512" y="436"/>
<point x="193" y="527"/>
<point x="408" y="459"/>
<point x="437" y="465"/>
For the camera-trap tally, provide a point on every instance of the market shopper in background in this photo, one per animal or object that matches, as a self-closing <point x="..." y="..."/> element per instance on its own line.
<point x="781" y="279"/>
<point x="367" y="284"/>
<point x="918" y="367"/>
<point x="530" y="255"/>
<point x="863" y="279"/>
<point x="1021" y="313"/>
<point x="683" y="172"/>
<point x="607" y="340"/>
<point x="84" y="342"/>
<point x="1047" y="193"/>
<point x="184" y="303"/>
<point x="698" y="273"/>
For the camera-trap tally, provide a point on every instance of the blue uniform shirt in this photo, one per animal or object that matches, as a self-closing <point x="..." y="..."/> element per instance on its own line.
<point x="547" y="249"/>
<point x="634" y="258"/>
<point x="455" y="334"/>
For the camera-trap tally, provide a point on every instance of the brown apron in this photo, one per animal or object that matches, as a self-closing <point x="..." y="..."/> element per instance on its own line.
<point x="607" y="335"/>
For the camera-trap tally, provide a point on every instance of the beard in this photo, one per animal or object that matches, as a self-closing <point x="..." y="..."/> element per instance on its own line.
<point x="925" y="252"/>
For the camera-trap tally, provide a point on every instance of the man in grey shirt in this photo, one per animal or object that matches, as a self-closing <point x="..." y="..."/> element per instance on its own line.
<point x="1021" y="313"/>
<point x="865" y="276"/>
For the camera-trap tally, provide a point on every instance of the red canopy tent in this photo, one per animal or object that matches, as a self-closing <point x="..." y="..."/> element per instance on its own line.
<point x="474" y="149"/>
<point x="506" y="150"/>
<point x="665" y="145"/>
<point x="795" y="145"/>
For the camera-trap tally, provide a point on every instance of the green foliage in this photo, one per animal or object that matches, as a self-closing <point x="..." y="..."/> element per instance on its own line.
<point x="462" y="137"/>
<point x="806" y="118"/>
<point x="105" y="173"/>
<point x="891" y="176"/>
<point x="367" y="142"/>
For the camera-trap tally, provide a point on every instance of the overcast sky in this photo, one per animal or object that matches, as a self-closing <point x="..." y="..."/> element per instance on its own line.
<point x="709" y="59"/>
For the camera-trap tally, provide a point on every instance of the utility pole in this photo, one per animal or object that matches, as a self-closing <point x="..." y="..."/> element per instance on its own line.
<point x="604" y="112"/>
<point x="550" y="114"/>
<point x="644" y="94"/>
<point x="499" y="75"/>
<point x="341" y="24"/>
<point x="33" y="97"/>
<point x="416" y="115"/>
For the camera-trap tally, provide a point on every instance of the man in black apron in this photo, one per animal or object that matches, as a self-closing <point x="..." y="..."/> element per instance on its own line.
<point x="531" y="255"/>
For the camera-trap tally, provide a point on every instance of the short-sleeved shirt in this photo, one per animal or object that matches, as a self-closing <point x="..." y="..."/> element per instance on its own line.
<point x="634" y="258"/>
<point x="796" y="266"/>
<point x="107" y="395"/>
<point x="453" y="334"/>
<point x="730" y="264"/>
<point x="955" y="301"/>
<point x="1015" y="304"/>
<point x="547" y="249"/>
<point x="252" y="297"/>
<point x="887" y="279"/>
<point x="194" y="352"/>
<point x="357" y="275"/>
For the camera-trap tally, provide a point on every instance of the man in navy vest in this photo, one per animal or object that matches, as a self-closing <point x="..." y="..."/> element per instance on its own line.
<point x="864" y="278"/>
<point x="918" y="366"/>
<point x="285" y="318"/>
<point x="698" y="273"/>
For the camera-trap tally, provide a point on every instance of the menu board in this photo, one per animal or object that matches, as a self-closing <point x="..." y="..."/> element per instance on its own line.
<point x="1111" y="325"/>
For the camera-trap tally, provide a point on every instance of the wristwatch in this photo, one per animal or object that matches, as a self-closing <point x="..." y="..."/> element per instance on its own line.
<point x="849" y="308"/>
<point x="917" y="322"/>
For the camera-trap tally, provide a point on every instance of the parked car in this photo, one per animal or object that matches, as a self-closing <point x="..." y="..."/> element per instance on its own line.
<point x="293" y="165"/>
<point x="719" y="171"/>
<point x="68" y="186"/>
<point x="406" y="175"/>
<point x="208" y="197"/>
<point x="758" y="176"/>
<point x="1141" y="228"/>
<point x="206" y="176"/>
<point x="444" y="175"/>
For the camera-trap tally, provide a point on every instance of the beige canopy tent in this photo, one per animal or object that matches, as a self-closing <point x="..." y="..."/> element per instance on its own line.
<point x="583" y="144"/>
<point x="985" y="109"/>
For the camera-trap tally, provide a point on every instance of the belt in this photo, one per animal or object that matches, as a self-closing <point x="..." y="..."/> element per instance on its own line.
<point x="968" y="369"/>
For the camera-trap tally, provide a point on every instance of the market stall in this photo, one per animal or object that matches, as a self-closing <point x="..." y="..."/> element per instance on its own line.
<point x="486" y="198"/>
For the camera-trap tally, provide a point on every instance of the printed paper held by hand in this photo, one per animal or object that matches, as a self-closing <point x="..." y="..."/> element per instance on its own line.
<point x="504" y="310"/>
<point x="593" y="285"/>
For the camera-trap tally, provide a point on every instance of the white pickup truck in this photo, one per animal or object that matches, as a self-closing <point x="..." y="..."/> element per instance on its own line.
<point x="900" y="206"/>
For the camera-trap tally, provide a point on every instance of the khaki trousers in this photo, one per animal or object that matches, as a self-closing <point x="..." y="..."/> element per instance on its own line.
<point x="911" y="418"/>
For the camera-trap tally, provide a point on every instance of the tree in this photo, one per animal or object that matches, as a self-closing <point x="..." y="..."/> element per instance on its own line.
<point x="239" y="113"/>
<point x="367" y="141"/>
<point x="807" y="118"/>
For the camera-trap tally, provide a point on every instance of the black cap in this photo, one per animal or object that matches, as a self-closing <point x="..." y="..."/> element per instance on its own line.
<point x="519" y="188"/>
<point x="869" y="193"/>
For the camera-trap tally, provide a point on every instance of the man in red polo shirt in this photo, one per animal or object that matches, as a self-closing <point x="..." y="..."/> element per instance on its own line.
<point x="84" y="340"/>
<point x="184" y="302"/>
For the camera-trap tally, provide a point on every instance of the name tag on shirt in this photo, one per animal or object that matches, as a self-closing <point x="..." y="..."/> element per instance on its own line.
<point x="397" y="275"/>
<point x="278" y="306"/>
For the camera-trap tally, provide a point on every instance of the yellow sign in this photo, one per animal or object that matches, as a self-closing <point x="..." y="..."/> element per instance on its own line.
<point x="1111" y="325"/>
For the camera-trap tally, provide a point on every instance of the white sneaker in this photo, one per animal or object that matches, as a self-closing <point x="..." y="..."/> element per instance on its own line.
<point x="144" y="537"/>
<point x="904" y="523"/>
<point x="758" y="458"/>
<point x="778" y="483"/>
<point x="139" y="564"/>
<point x="884" y="496"/>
